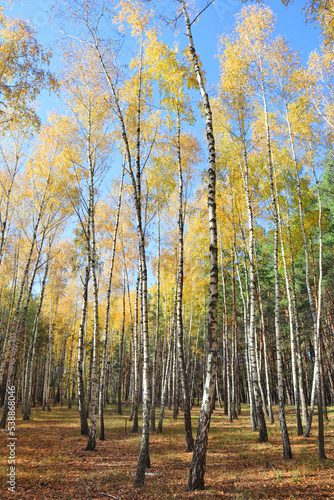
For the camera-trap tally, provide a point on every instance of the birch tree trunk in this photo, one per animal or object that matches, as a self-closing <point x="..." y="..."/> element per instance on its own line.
<point x="12" y="343"/>
<point x="280" y="377"/>
<point x="225" y="354"/>
<point x="263" y="435"/>
<point x="307" y="267"/>
<point x="292" y="340"/>
<point x="135" y="177"/>
<point x="120" y="356"/>
<point x="164" y="386"/>
<point x="298" y="344"/>
<point x="15" y="330"/>
<point x="198" y="463"/>
<point x="194" y="367"/>
<point x="30" y="362"/>
<point x="317" y="343"/>
<point x="247" y="355"/>
<point x="180" y="338"/>
<point x="81" y="343"/>
<point x="144" y="457"/>
<point x="157" y="323"/>
<point x="69" y="396"/>
<point x="107" y="318"/>
<point x="91" y="158"/>
<point x="136" y="362"/>
<point x="47" y="371"/>
<point x="265" y="354"/>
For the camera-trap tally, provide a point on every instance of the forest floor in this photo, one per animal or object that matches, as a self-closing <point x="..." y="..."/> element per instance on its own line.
<point x="51" y="461"/>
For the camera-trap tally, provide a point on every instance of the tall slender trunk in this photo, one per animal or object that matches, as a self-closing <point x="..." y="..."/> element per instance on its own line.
<point x="317" y="343"/>
<point x="135" y="177"/>
<point x="198" y="463"/>
<point x="307" y="267"/>
<point x="263" y="435"/>
<point x="91" y="158"/>
<point x="31" y="358"/>
<point x="247" y="354"/>
<point x="280" y="377"/>
<point x="164" y="386"/>
<point x="13" y="338"/>
<point x="136" y="361"/>
<point x="292" y="339"/>
<point x="189" y="337"/>
<point x="180" y="338"/>
<point x="157" y="324"/>
<point x="121" y="357"/>
<point x="194" y="367"/>
<point x="175" y="378"/>
<point x="47" y="371"/>
<point x="225" y="354"/>
<point x="264" y="339"/>
<point x="69" y="398"/>
<point x="297" y="332"/>
<point x="233" y="337"/>
<point x="82" y="345"/>
<point x="144" y="457"/>
<point x="14" y="335"/>
<point x="107" y="317"/>
<point x="24" y="357"/>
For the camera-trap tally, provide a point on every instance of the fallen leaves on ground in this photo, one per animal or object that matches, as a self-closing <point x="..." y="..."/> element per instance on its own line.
<point x="51" y="461"/>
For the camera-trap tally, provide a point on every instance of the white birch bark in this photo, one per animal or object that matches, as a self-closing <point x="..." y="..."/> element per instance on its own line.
<point x="197" y="468"/>
<point x="292" y="337"/>
<point x="107" y="317"/>
<point x="280" y="378"/>
<point x="157" y="325"/>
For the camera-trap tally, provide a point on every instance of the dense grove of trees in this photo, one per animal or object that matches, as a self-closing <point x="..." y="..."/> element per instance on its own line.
<point x="130" y="273"/>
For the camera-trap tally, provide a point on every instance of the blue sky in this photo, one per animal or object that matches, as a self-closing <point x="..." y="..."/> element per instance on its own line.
<point x="217" y="19"/>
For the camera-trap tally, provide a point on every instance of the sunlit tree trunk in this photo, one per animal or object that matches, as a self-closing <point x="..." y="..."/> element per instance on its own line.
<point x="297" y="333"/>
<point x="136" y="361"/>
<point x="121" y="357"/>
<point x="69" y="396"/>
<point x="265" y="354"/>
<point x="91" y="157"/>
<point x="193" y="371"/>
<point x="48" y="360"/>
<point x="307" y="267"/>
<point x="197" y="468"/>
<point x="280" y="376"/>
<point x="144" y="457"/>
<point x="31" y="358"/>
<point x="157" y="324"/>
<point x="233" y="350"/>
<point x="247" y="355"/>
<point x="15" y="330"/>
<point x="175" y="378"/>
<point x="180" y="338"/>
<point x="24" y="361"/>
<point x="317" y="343"/>
<point x="164" y="385"/>
<point x="263" y="435"/>
<point x="107" y="317"/>
<point x="225" y="346"/>
<point x="81" y="343"/>
<point x="13" y="337"/>
<point x="292" y="339"/>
